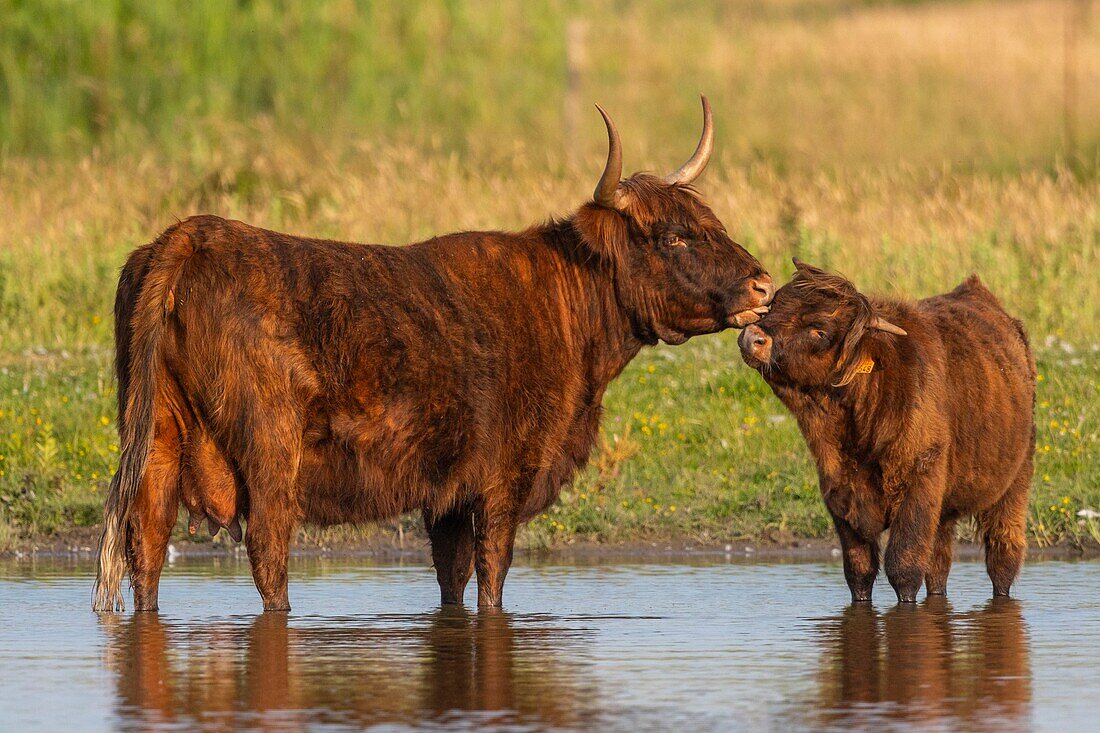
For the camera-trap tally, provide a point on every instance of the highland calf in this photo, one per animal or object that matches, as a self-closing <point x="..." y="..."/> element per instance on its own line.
<point x="917" y="414"/>
<point x="281" y="379"/>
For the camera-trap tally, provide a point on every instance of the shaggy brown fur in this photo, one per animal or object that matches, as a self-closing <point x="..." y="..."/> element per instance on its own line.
<point x="284" y="379"/>
<point x="910" y="432"/>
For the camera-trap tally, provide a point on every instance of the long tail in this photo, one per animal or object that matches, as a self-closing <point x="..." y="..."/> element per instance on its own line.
<point x="152" y="273"/>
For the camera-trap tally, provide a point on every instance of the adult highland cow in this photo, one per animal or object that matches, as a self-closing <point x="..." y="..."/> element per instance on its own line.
<point x="282" y="379"/>
<point x="917" y="414"/>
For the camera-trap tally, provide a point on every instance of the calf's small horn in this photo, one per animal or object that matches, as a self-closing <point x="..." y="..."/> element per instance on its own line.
<point x="881" y="324"/>
<point x="607" y="190"/>
<point x="692" y="169"/>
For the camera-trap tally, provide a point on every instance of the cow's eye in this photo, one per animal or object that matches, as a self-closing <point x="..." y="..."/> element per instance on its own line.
<point x="672" y="239"/>
<point x="819" y="335"/>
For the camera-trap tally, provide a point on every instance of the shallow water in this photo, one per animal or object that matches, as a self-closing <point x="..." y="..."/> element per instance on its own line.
<point x="710" y="645"/>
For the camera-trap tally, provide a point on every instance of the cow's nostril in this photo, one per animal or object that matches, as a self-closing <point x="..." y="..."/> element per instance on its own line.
<point x="764" y="287"/>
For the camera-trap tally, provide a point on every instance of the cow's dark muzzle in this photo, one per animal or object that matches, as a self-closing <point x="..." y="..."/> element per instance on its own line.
<point x="760" y="291"/>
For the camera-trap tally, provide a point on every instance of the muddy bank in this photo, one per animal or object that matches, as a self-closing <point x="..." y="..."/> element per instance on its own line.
<point x="413" y="547"/>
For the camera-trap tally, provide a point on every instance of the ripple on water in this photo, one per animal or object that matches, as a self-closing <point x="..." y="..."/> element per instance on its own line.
<point x="615" y="647"/>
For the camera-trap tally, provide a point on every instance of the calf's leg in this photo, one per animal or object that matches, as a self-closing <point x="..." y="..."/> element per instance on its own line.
<point x="494" y="536"/>
<point x="452" y="538"/>
<point x="860" y="560"/>
<point x="943" y="549"/>
<point x="912" y="535"/>
<point x="1003" y="528"/>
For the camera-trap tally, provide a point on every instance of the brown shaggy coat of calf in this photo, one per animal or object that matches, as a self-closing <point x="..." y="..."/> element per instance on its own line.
<point x="917" y="414"/>
<point x="282" y="379"/>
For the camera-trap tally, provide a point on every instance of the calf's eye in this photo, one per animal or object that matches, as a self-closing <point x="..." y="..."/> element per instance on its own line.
<point x="819" y="334"/>
<point x="674" y="240"/>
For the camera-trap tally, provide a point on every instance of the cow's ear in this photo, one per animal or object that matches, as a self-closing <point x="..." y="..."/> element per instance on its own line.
<point x="603" y="232"/>
<point x="806" y="267"/>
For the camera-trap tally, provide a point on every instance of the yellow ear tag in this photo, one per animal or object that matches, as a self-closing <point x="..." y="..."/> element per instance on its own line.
<point x="866" y="366"/>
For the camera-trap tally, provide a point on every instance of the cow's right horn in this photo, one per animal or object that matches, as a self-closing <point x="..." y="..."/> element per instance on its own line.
<point x="693" y="168"/>
<point x="607" y="190"/>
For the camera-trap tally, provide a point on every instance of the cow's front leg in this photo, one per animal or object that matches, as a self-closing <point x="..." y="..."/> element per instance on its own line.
<point x="494" y="535"/>
<point x="912" y="535"/>
<point x="452" y="538"/>
<point x="860" y="560"/>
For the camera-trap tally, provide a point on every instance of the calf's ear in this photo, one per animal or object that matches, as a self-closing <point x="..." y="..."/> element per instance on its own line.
<point x="881" y="324"/>
<point x="604" y="232"/>
<point x="806" y="267"/>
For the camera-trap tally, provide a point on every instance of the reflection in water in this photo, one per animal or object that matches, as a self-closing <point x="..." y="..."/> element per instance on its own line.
<point x="491" y="668"/>
<point x="927" y="665"/>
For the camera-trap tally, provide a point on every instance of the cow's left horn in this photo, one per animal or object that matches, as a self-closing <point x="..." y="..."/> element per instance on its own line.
<point x="692" y="169"/>
<point x="881" y="324"/>
<point x="607" y="190"/>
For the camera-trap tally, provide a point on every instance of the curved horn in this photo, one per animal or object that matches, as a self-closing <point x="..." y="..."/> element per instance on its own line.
<point x="881" y="324"/>
<point x="607" y="190"/>
<point x="692" y="169"/>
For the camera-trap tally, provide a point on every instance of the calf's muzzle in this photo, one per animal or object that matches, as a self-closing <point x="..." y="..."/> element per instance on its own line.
<point x="756" y="345"/>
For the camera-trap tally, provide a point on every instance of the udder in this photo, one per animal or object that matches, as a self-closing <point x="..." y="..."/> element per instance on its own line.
<point x="209" y="487"/>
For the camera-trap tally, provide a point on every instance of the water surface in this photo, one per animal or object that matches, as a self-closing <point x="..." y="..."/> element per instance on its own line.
<point x="710" y="645"/>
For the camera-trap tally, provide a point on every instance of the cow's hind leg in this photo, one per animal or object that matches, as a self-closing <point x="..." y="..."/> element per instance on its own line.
<point x="452" y="538"/>
<point x="494" y="536"/>
<point x="154" y="513"/>
<point x="270" y="475"/>
<point x="943" y="549"/>
<point x="1003" y="528"/>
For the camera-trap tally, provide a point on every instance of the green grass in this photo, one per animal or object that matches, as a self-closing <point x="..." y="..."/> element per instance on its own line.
<point x="694" y="448"/>
<point x="906" y="144"/>
<point x="799" y="83"/>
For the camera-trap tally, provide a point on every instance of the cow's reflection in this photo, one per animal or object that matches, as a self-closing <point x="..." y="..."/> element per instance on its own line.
<point x="928" y="664"/>
<point x="280" y="674"/>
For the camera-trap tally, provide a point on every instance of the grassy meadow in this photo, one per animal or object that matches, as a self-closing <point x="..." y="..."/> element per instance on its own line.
<point x="904" y="144"/>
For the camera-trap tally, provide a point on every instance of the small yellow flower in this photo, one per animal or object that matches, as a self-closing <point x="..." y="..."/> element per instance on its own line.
<point x="104" y="420"/>
<point x="672" y="507"/>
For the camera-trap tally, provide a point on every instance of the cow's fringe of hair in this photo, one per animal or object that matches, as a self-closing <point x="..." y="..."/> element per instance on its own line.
<point x="849" y="360"/>
<point x="136" y="416"/>
<point x="814" y="280"/>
